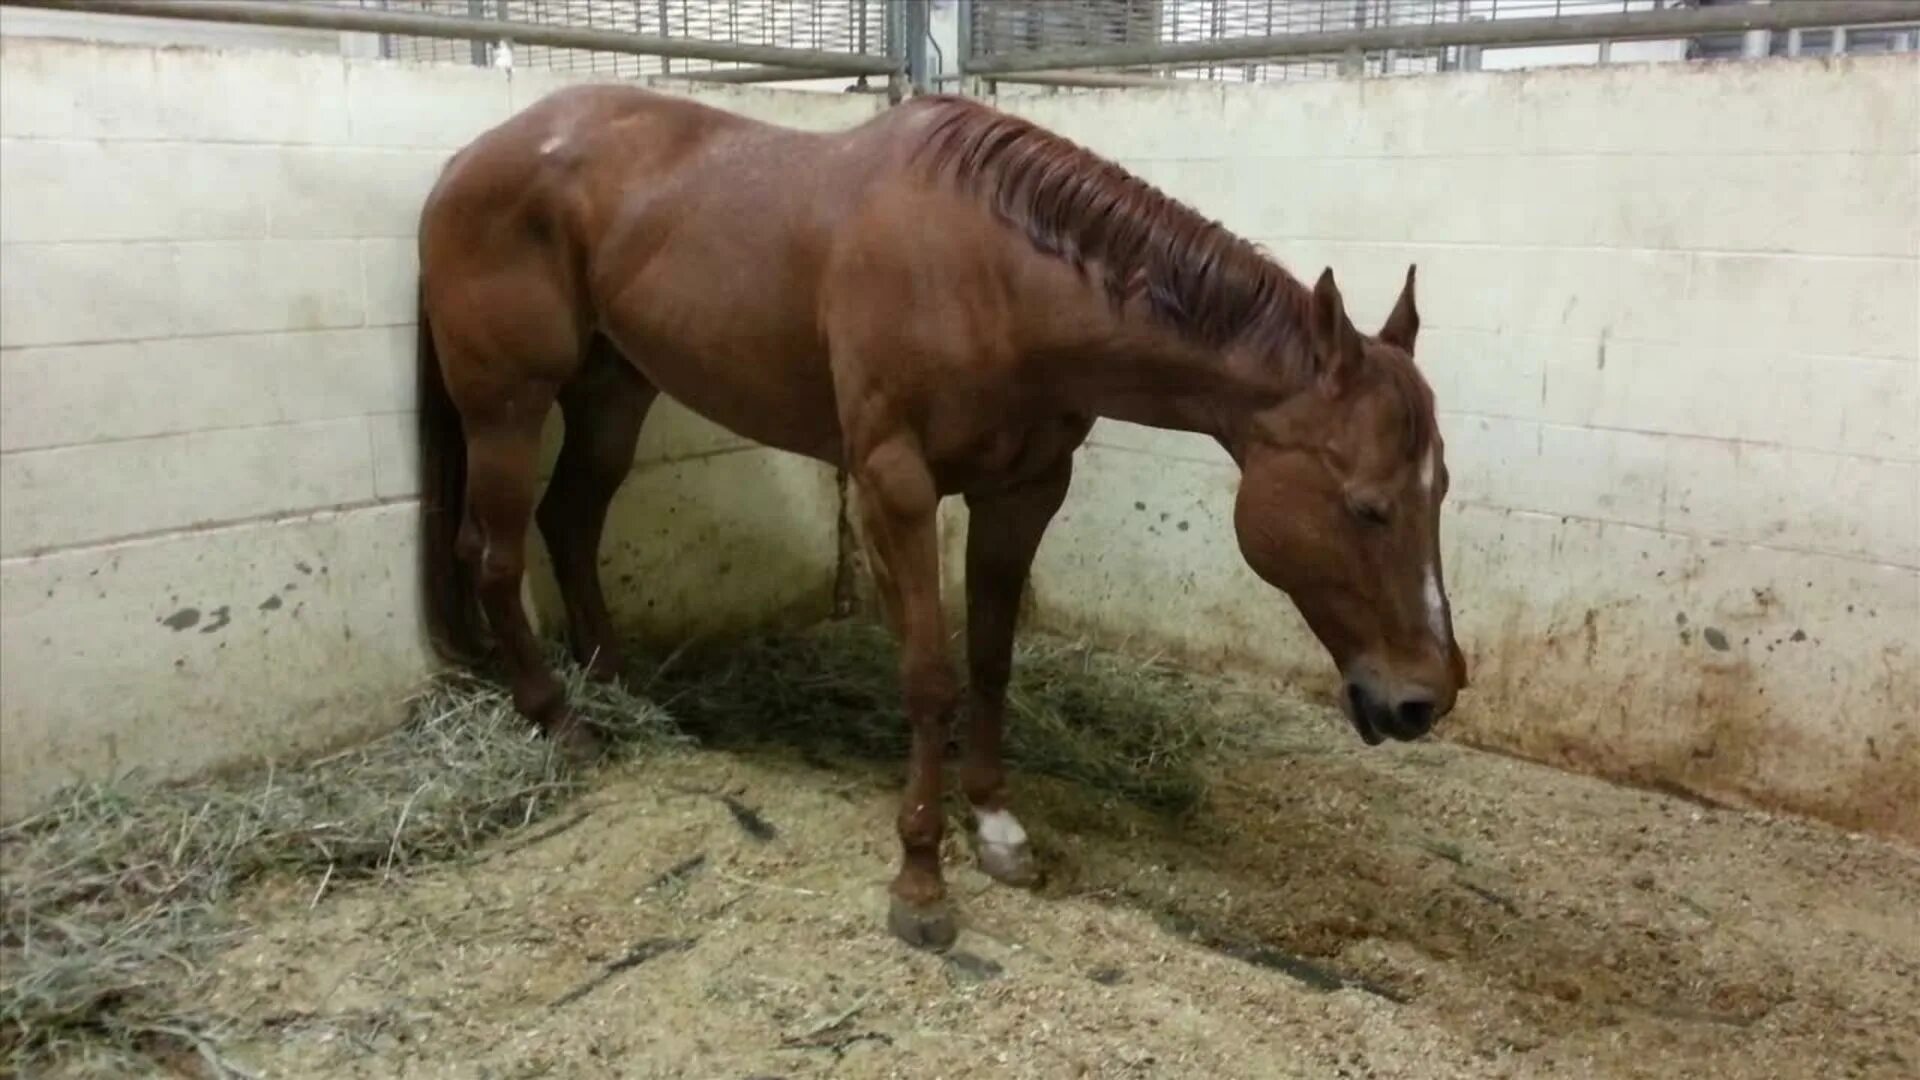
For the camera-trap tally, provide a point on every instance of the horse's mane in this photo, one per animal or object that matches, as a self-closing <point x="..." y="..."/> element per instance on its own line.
<point x="1202" y="281"/>
<point x="1199" y="278"/>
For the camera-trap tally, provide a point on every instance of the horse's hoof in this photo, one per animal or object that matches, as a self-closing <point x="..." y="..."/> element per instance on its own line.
<point x="578" y="744"/>
<point x="1009" y="864"/>
<point x="923" y="926"/>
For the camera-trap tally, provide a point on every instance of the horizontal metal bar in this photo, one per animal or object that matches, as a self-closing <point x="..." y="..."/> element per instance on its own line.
<point x="1551" y="30"/>
<point x="738" y="76"/>
<point x="319" y="17"/>
<point x="1095" y="80"/>
<point x="758" y="74"/>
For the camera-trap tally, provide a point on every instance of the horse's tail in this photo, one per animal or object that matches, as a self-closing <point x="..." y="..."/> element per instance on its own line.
<point x="453" y="620"/>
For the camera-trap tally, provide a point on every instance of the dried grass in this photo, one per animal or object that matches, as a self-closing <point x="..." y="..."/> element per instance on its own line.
<point x="1118" y="725"/>
<point x="112" y="898"/>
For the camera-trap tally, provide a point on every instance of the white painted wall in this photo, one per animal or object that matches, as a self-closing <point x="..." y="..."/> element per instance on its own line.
<point x="207" y="486"/>
<point x="1672" y="314"/>
<point x="140" y="30"/>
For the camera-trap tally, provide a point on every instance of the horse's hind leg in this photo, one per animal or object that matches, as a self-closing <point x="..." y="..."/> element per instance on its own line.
<point x="604" y="409"/>
<point x="503" y="448"/>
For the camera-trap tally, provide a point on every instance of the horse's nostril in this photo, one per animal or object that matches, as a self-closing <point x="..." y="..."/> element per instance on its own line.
<point x="1415" y="717"/>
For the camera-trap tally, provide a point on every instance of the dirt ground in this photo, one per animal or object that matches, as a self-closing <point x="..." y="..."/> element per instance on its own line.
<point x="1332" y="911"/>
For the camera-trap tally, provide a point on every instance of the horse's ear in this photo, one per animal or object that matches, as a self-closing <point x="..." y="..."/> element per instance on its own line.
<point x="1336" y="344"/>
<point x="1403" y="325"/>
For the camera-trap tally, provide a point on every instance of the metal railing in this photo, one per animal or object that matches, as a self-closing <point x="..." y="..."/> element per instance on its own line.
<point x="1148" y="42"/>
<point x="860" y="28"/>
<point x="715" y="40"/>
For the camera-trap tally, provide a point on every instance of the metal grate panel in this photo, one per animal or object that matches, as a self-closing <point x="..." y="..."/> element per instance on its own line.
<point x="1005" y="27"/>
<point x="857" y="27"/>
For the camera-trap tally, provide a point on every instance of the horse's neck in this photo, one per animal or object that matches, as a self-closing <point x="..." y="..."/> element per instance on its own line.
<point x="1147" y="375"/>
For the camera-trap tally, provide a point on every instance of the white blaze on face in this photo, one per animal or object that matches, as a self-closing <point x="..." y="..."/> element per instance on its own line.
<point x="1430" y="589"/>
<point x="1001" y="829"/>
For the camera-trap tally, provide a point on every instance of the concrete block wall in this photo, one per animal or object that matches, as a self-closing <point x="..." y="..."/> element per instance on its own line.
<point x="207" y="484"/>
<point x="1672" y="316"/>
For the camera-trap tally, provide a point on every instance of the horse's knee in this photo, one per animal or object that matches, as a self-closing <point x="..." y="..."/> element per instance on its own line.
<point x="467" y="544"/>
<point x="930" y="689"/>
<point x="499" y="568"/>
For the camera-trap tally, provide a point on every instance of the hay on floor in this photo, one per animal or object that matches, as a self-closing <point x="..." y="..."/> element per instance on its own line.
<point x="111" y="898"/>
<point x="1133" y="729"/>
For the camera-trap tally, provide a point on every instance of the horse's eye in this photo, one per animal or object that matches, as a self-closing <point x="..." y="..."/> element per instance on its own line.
<point x="1372" y="513"/>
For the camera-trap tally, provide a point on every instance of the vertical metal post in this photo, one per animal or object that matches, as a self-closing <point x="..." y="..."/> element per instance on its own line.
<point x="963" y="46"/>
<point x="917" y="17"/>
<point x="666" y="65"/>
<point x="1353" y="63"/>
<point x="1756" y="44"/>
<point x="503" y="51"/>
<point x="479" y="51"/>
<point x="896" y="36"/>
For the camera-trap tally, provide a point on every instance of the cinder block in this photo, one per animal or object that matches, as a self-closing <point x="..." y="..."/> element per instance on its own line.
<point x="440" y="107"/>
<point x="250" y="96"/>
<point x="1473" y="371"/>
<point x="1826" y="307"/>
<point x="69" y="293"/>
<point x="391" y="273"/>
<point x="1834" y="404"/>
<point x="234" y="288"/>
<point x="347" y="192"/>
<point x="1494" y="460"/>
<point x="1144" y="551"/>
<point x="396" y="455"/>
<point x="206" y="649"/>
<point x="89" y="190"/>
<point x="1681" y="389"/>
<point x="1774" y="496"/>
<point x="110" y="491"/>
<point x="716" y="545"/>
<point x="1606" y="475"/>
<point x="1742" y="673"/>
<point x="1522" y="465"/>
<point x="71" y="394"/>
<point x="1866" y="407"/>
<point x="70" y="90"/>
<point x="56" y="293"/>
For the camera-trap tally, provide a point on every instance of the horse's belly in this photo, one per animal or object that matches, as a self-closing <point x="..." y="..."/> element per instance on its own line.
<point x="776" y="397"/>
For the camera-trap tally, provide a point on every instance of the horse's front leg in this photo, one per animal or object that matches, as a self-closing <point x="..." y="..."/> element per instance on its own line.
<point x="899" y="504"/>
<point x="1003" y="532"/>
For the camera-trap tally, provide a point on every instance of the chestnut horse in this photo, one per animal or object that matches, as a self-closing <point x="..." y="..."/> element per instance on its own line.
<point x="940" y="301"/>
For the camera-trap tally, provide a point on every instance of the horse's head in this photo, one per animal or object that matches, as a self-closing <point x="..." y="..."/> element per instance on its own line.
<point x="1339" y="507"/>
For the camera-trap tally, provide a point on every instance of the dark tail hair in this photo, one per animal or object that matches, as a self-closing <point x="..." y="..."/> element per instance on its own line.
<point x="454" y="624"/>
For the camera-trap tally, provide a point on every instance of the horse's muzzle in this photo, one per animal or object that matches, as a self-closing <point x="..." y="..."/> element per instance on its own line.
<point x="1378" y="720"/>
